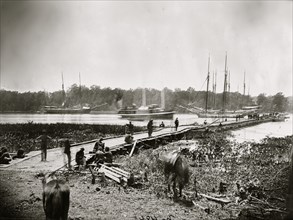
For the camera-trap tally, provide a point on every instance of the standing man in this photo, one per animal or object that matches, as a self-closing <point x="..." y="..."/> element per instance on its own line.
<point x="67" y="151"/>
<point x="150" y="127"/>
<point x="176" y="124"/>
<point x="44" y="141"/>
<point x="131" y="128"/>
<point x="126" y="128"/>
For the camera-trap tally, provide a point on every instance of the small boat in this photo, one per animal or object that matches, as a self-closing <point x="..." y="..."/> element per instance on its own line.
<point x="279" y="117"/>
<point x="146" y="112"/>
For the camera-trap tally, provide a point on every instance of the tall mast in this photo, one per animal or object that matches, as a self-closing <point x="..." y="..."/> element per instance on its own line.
<point x="213" y="79"/>
<point x="62" y="82"/>
<point x="163" y="98"/>
<point x="79" y="89"/>
<point x="208" y="80"/>
<point x="63" y="91"/>
<point x="215" y="88"/>
<point x="228" y="91"/>
<point x="229" y="83"/>
<point x="216" y="82"/>
<point x="225" y="84"/>
<point x="79" y="81"/>
<point x="244" y="85"/>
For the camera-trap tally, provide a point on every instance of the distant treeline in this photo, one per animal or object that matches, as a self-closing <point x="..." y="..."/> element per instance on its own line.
<point x="107" y="99"/>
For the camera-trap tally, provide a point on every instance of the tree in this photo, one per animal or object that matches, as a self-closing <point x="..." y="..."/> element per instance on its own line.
<point x="279" y="103"/>
<point x="263" y="101"/>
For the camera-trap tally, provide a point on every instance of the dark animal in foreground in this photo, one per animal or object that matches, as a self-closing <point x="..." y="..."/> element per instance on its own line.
<point x="176" y="170"/>
<point x="56" y="195"/>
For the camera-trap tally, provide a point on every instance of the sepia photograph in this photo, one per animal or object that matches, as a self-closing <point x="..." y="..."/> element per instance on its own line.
<point x="146" y="110"/>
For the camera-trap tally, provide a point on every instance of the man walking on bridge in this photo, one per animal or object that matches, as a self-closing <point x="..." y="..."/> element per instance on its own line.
<point x="44" y="141"/>
<point x="67" y="152"/>
<point x="150" y="127"/>
<point x="176" y="124"/>
<point x="129" y="128"/>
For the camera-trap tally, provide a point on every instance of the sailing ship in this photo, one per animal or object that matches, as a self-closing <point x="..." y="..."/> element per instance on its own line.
<point x="61" y="110"/>
<point x="145" y="112"/>
<point x="223" y="113"/>
<point x="66" y="110"/>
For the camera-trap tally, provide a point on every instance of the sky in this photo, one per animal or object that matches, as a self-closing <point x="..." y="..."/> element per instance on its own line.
<point x="153" y="44"/>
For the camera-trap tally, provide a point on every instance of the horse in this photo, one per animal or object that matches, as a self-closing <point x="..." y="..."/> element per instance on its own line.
<point x="176" y="170"/>
<point x="56" y="197"/>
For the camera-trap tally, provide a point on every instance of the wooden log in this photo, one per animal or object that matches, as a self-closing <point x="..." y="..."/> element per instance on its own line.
<point x="276" y="210"/>
<point x="115" y="178"/>
<point x="114" y="174"/>
<point x="206" y="209"/>
<point x="121" y="171"/>
<point x="222" y="201"/>
<point x="117" y="171"/>
<point x="133" y="147"/>
<point x="112" y="164"/>
<point x="93" y="175"/>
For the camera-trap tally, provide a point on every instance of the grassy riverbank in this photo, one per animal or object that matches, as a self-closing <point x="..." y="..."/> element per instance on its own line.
<point x="260" y="169"/>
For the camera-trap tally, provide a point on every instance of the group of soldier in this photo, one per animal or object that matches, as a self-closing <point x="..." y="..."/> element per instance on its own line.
<point x="100" y="154"/>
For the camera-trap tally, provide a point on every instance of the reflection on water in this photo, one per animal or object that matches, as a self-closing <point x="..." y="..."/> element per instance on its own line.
<point x="255" y="133"/>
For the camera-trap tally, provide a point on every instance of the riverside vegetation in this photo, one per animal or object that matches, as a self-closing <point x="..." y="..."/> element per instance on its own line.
<point x="15" y="136"/>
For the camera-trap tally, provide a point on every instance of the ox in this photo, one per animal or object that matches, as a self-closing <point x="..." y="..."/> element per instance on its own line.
<point x="55" y="198"/>
<point x="176" y="170"/>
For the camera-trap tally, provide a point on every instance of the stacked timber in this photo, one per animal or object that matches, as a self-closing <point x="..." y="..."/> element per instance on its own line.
<point x="116" y="174"/>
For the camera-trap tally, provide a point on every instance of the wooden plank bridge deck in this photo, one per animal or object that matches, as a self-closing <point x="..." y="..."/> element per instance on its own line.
<point x="56" y="160"/>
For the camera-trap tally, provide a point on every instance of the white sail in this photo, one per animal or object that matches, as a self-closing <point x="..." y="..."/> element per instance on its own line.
<point x="143" y="97"/>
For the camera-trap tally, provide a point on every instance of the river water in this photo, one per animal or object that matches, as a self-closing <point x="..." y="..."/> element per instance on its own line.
<point x="111" y="119"/>
<point x="269" y="129"/>
<point x="255" y="133"/>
